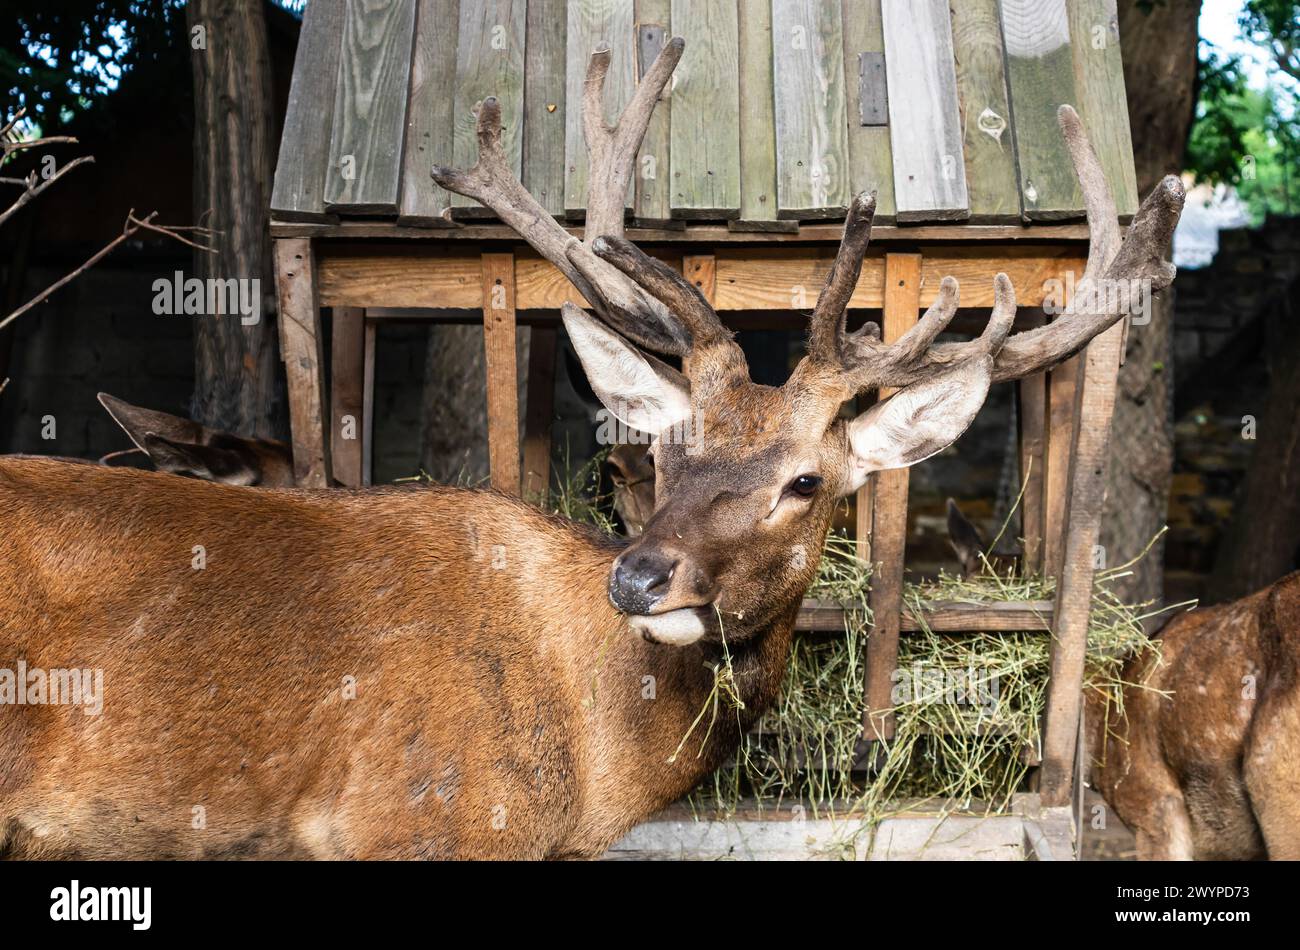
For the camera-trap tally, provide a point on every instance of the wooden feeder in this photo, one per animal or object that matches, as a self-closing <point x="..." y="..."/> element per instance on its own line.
<point x="777" y="114"/>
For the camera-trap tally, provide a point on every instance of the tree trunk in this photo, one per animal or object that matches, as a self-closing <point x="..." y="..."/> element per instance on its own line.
<point x="238" y="378"/>
<point x="1159" y="44"/>
<point x="1262" y="542"/>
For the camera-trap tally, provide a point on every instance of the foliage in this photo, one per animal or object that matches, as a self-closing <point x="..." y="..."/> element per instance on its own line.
<point x="58" y="60"/>
<point x="1247" y="137"/>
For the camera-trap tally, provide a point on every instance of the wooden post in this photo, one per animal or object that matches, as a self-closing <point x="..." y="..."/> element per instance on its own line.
<point x="1095" y="403"/>
<point x="1031" y="416"/>
<point x="347" y="394"/>
<point x="300" y="348"/>
<point x="889" y="519"/>
<point x="539" y="413"/>
<point x="702" y="271"/>
<point x="502" y="374"/>
<point x="368" y="407"/>
<point x="1061" y="410"/>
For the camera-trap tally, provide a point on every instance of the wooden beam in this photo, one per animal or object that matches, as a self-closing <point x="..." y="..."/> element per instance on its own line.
<point x="502" y="375"/>
<point x="652" y="205"/>
<point x="1031" y="438"/>
<point x="757" y="123"/>
<point x="871" y="165"/>
<point x="539" y="414"/>
<point x="1095" y="405"/>
<point x="702" y="271"/>
<point x="985" y="113"/>
<point x="889" y="525"/>
<point x="705" y="136"/>
<point x="593" y="24"/>
<point x="365" y="172"/>
<point x="1040" y="77"/>
<point x="347" y="394"/>
<point x="749" y="278"/>
<point x="300" y="348"/>
<point x="882" y="233"/>
<point x="368" y="407"/>
<point x="544" y="103"/>
<point x="812" y="150"/>
<point x="1061" y="408"/>
<point x="429" y="115"/>
<point x="299" y="191"/>
<point x="924" y="118"/>
<point x="817" y="616"/>
<point x="1100" y="96"/>
<point x="489" y="62"/>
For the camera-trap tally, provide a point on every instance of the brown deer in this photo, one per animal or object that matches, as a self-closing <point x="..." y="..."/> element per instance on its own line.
<point x="631" y="469"/>
<point x="448" y="673"/>
<point x="1202" y="762"/>
<point x="185" y="447"/>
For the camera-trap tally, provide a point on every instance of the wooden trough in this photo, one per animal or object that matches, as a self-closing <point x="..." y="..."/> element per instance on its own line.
<point x="779" y="112"/>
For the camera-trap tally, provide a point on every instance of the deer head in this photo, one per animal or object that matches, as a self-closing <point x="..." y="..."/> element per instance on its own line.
<point x="184" y="447"/>
<point x="747" y="475"/>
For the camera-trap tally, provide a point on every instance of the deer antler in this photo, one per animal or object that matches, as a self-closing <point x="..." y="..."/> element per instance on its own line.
<point x="862" y="362"/>
<point x="612" y="151"/>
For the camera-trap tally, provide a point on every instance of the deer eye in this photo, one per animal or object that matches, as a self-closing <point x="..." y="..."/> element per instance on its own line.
<point x="805" y="486"/>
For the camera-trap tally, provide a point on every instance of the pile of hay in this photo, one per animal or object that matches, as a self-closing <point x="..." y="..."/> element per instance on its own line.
<point x="969" y="707"/>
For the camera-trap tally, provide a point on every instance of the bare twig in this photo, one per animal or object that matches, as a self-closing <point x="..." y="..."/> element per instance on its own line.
<point x="132" y="226"/>
<point x="32" y="189"/>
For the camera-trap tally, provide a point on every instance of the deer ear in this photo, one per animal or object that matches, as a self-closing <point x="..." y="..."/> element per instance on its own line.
<point x="642" y="392"/>
<point x="207" y="462"/>
<point x="137" y="422"/>
<point x="917" y="422"/>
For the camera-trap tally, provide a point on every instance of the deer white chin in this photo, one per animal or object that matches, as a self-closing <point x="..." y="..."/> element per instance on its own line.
<point x="678" y="628"/>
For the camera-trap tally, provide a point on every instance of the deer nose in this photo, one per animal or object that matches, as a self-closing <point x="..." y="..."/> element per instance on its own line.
<point x="640" y="580"/>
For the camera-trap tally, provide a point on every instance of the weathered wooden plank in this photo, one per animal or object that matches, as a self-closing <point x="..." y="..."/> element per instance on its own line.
<point x="300" y="348"/>
<point x="653" y="175"/>
<point x="1040" y="76"/>
<point x="544" y="104"/>
<point x="1062" y="383"/>
<point x="428" y="115"/>
<point x="987" y="146"/>
<point x="593" y="24"/>
<point x="757" y="122"/>
<point x="347" y="393"/>
<point x="365" y="173"/>
<point x="368" y="406"/>
<point x="299" y="190"/>
<point x="699" y="232"/>
<point x="925" y="123"/>
<point x="1095" y="403"/>
<point x="889" y="519"/>
<point x="539" y="413"/>
<point x="1031" y="413"/>
<point x="873" y="90"/>
<point x="808" y="78"/>
<point x="489" y="62"/>
<point x="1100" y="95"/>
<point x="705" y="121"/>
<point x="871" y="166"/>
<point x="502" y="372"/>
<point x="702" y="271"/>
<point x="817" y="616"/>
<point x="747" y="278"/>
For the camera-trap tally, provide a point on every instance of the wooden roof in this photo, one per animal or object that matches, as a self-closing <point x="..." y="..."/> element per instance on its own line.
<point x="779" y="111"/>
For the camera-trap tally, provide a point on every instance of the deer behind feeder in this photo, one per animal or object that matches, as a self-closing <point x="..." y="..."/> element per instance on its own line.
<point x="449" y="673"/>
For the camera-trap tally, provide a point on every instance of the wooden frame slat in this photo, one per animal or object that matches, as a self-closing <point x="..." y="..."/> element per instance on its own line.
<point x="347" y="394"/>
<point x="429" y="115"/>
<point x="889" y="519"/>
<point x="300" y="348"/>
<point x="498" y="302"/>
